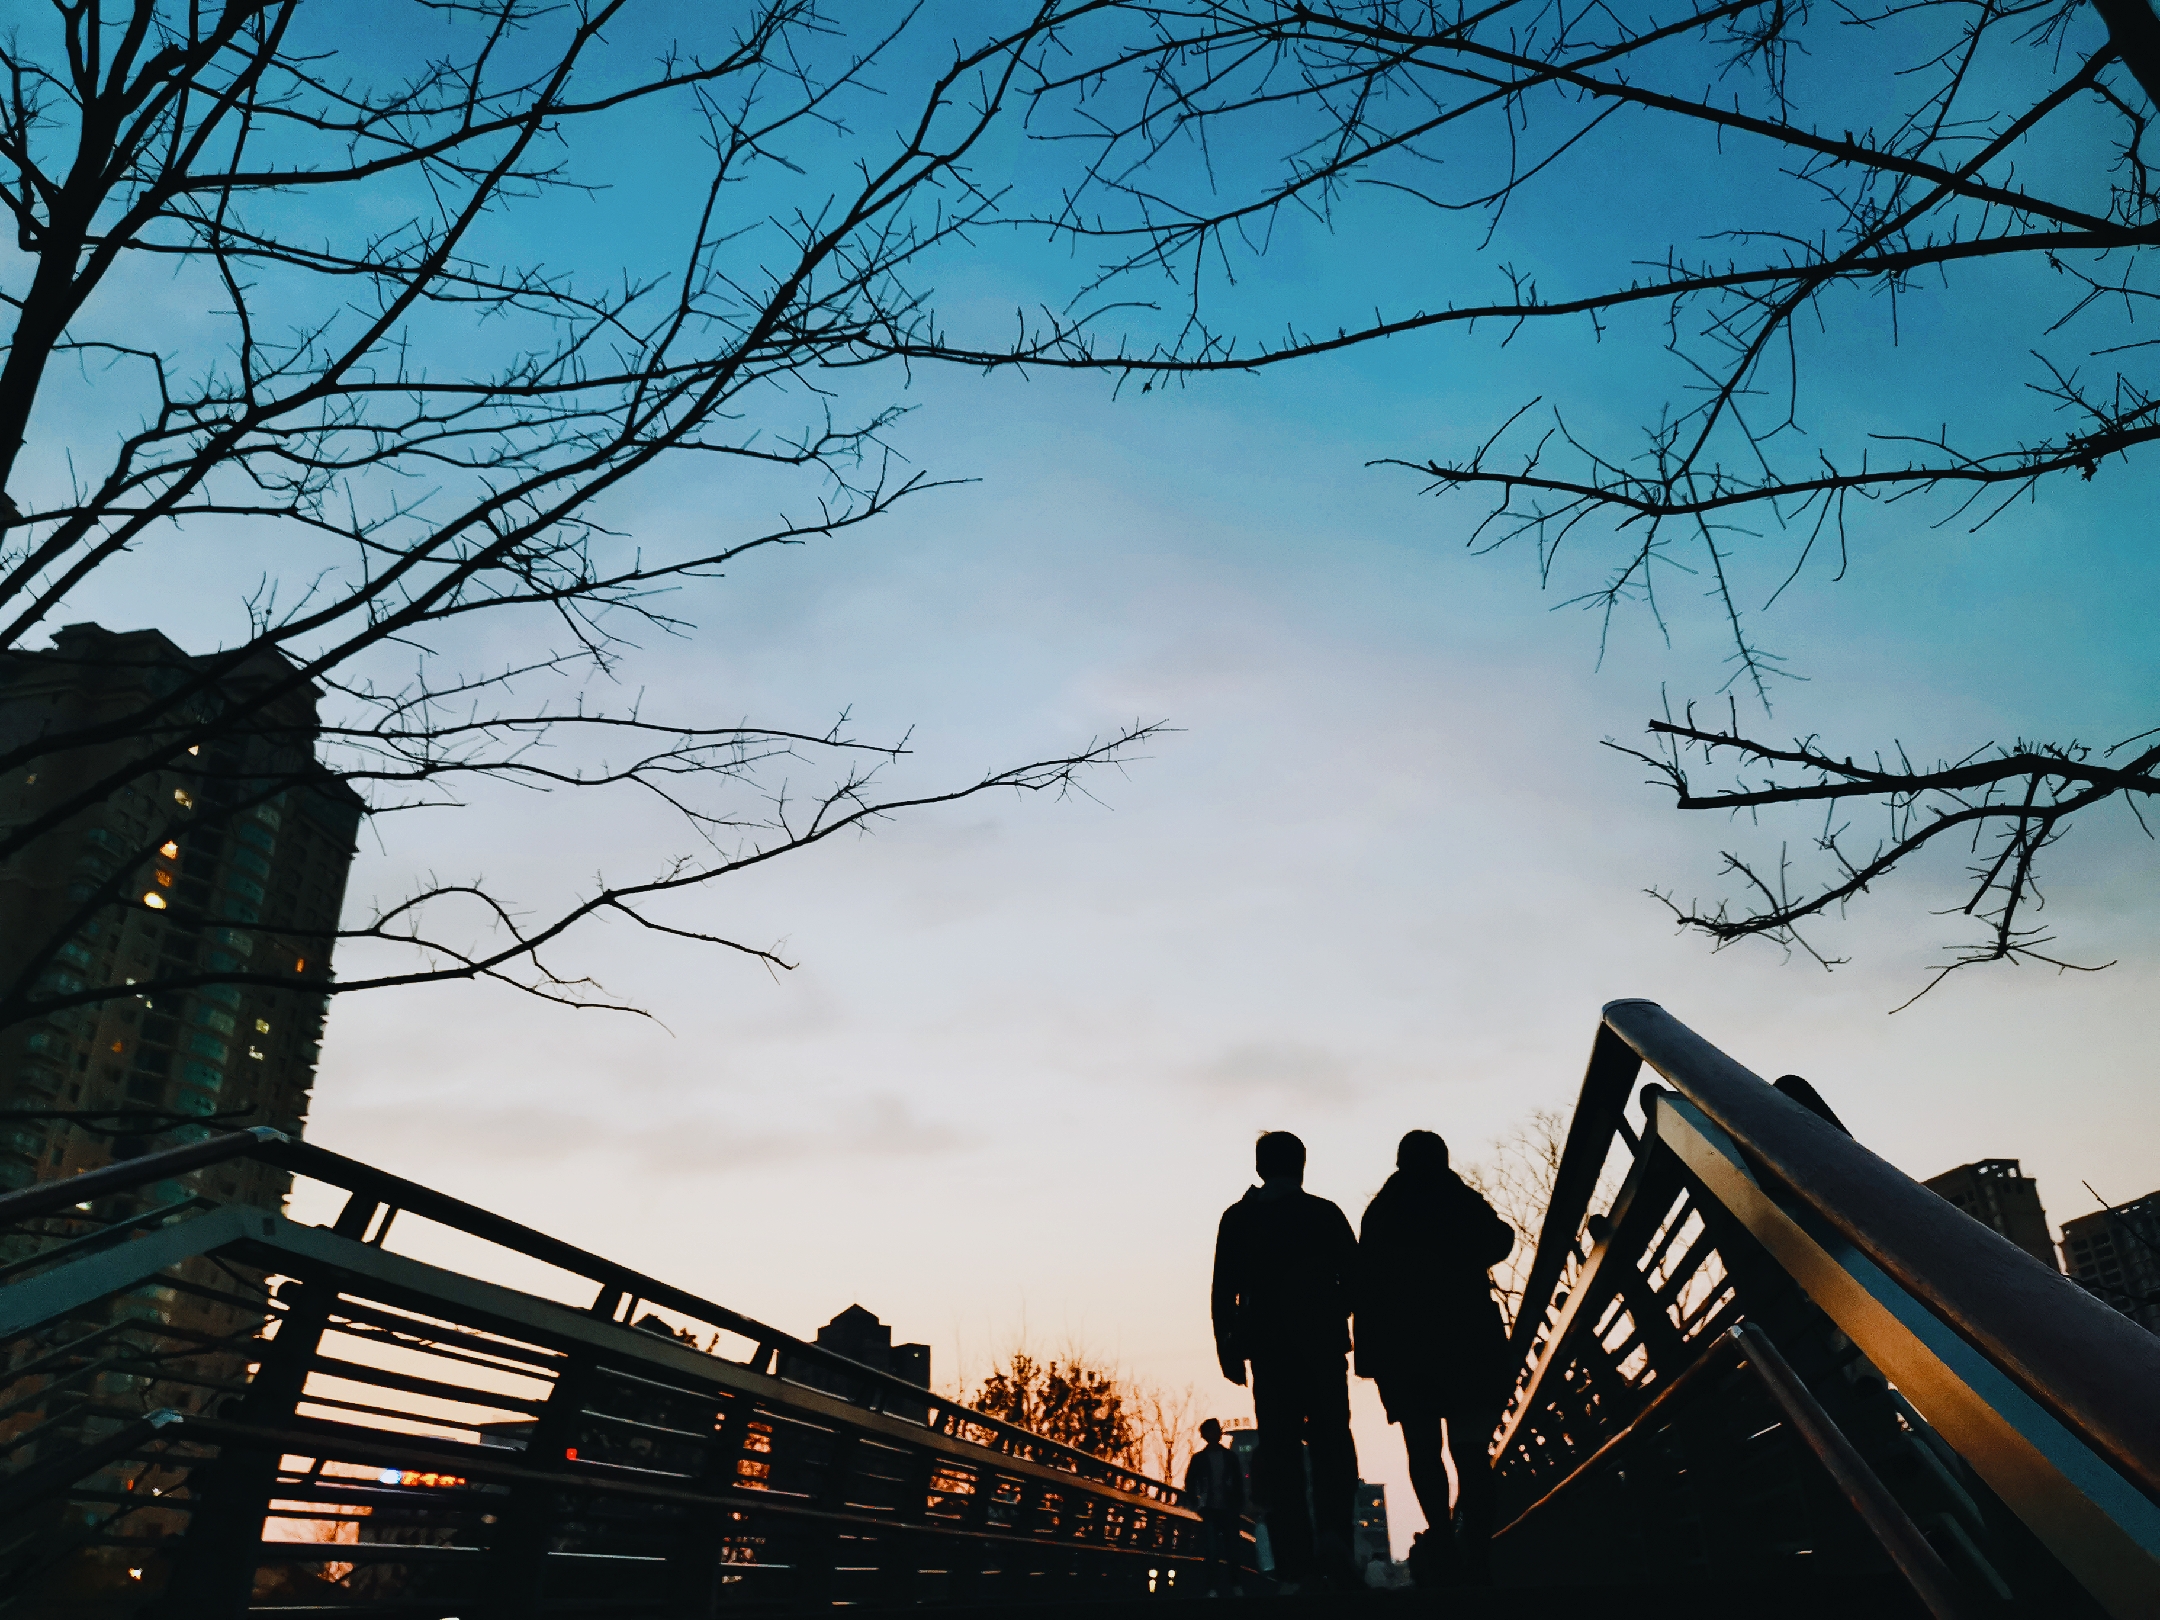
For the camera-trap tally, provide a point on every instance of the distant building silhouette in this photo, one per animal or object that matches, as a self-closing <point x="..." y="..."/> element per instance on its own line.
<point x="250" y="876"/>
<point x="1997" y="1193"/>
<point x="1369" y="1533"/>
<point x="1369" y="1541"/>
<point x="234" y="855"/>
<point x="1244" y="1445"/>
<point x="857" y="1334"/>
<point x="2115" y="1253"/>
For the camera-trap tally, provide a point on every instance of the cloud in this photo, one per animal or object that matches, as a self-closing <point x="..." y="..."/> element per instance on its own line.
<point x="872" y="1127"/>
<point x="1281" y="1070"/>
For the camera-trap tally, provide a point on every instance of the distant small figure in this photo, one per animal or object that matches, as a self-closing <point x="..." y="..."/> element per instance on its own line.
<point x="1284" y="1264"/>
<point x="1215" y="1485"/>
<point x="1429" y="1333"/>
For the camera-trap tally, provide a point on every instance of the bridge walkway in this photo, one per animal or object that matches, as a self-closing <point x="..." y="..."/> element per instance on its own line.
<point x="1760" y="1372"/>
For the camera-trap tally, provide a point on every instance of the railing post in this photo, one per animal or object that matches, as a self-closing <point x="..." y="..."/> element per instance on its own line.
<point x="900" y="1559"/>
<point x="823" y="1544"/>
<point x="1883" y="1514"/>
<point x="519" y="1549"/>
<point x="214" y="1573"/>
<point x="694" y="1563"/>
<point x="964" y="1568"/>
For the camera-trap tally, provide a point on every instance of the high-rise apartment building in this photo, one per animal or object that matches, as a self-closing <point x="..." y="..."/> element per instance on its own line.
<point x="232" y="856"/>
<point x="1997" y="1193"/>
<point x="2115" y="1253"/>
<point x="229" y="856"/>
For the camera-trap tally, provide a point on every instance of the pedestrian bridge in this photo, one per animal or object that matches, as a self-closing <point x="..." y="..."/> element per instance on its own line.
<point x="1771" y="1376"/>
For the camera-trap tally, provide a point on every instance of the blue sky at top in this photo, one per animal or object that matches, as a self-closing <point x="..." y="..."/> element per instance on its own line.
<point x="1381" y="876"/>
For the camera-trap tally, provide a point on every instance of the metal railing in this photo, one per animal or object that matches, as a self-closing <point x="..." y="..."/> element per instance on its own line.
<point x="1776" y="1351"/>
<point x="209" y="1408"/>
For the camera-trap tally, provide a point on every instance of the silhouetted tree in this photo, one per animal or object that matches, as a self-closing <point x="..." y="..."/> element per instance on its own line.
<point x="1077" y="1400"/>
<point x="304" y="305"/>
<point x="1067" y="1400"/>
<point x="1796" y="179"/>
<point x="1516" y="1175"/>
<point x="1169" y="1423"/>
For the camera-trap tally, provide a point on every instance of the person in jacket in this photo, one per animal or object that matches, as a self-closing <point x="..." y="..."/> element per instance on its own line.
<point x="1215" y="1486"/>
<point x="1429" y="1333"/>
<point x="1284" y="1266"/>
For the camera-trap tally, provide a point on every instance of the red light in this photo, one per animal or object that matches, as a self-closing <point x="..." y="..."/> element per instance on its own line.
<point x="571" y="1454"/>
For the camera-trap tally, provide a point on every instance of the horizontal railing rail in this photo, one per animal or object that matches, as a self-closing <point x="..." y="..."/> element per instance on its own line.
<point x="378" y="1432"/>
<point x="1747" y="1346"/>
<point x="396" y="1194"/>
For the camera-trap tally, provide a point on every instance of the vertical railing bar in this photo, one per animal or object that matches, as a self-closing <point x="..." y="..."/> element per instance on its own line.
<point x="215" y="1572"/>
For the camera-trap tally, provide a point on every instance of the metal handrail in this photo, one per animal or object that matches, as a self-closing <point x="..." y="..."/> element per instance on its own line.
<point x="125" y="1175"/>
<point x="2093" y="1368"/>
<point x="1599" y="1111"/>
<point x="395" y="1192"/>
<point x="1746" y="1345"/>
<point x="1887" y="1521"/>
<point x="755" y="1476"/>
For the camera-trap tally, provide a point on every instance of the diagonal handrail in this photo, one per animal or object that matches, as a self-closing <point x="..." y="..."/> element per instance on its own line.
<point x="366" y="1182"/>
<point x="2093" y="1368"/>
<point x="1598" y="1117"/>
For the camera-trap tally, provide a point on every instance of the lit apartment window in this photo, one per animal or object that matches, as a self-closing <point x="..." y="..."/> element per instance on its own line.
<point x="164" y="879"/>
<point x="184" y="799"/>
<point x="262" y="1026"/>
<point x="154" y="900"/>
<point x="169" y="848"/>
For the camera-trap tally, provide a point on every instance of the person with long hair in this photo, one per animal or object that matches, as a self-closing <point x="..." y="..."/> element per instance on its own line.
<point x="1429" y="1333"/>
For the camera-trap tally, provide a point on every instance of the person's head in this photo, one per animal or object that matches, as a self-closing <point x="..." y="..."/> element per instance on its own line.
<point x="1421" y="1153"/>
<point x="1279" y="1156"/>
<point x="1210" y="1430"/>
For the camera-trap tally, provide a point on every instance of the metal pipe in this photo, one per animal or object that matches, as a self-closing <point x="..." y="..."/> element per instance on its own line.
<point x="44" y="1197"/>
<point x="2092" y="1367"/>
<point x="1598" y="1110"/>
<point x="1884" y="1515"/>
<point x="1719" y="1353"/>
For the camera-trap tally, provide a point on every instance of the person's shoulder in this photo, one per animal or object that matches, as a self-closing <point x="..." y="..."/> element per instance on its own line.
<point x="1317" y="1208"/>
<point x="1385" y="1200"/>
<point x="1465" y="1192"/>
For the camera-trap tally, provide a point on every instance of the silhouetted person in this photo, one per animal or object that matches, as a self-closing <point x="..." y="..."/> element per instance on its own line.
<point x="1284" y="1262"/>
<point x="1215" y="1484"/>
<point x="1429" y="1333"/>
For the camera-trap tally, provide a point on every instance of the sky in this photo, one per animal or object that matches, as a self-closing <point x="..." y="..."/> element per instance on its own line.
<point x="1379" y="874"/>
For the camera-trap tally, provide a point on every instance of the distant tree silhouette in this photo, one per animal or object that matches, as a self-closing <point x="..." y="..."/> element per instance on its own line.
<point x="1066" y="1400"/>
<point x="1074" y="1399"/>
<point x="1516" y="1175"/>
